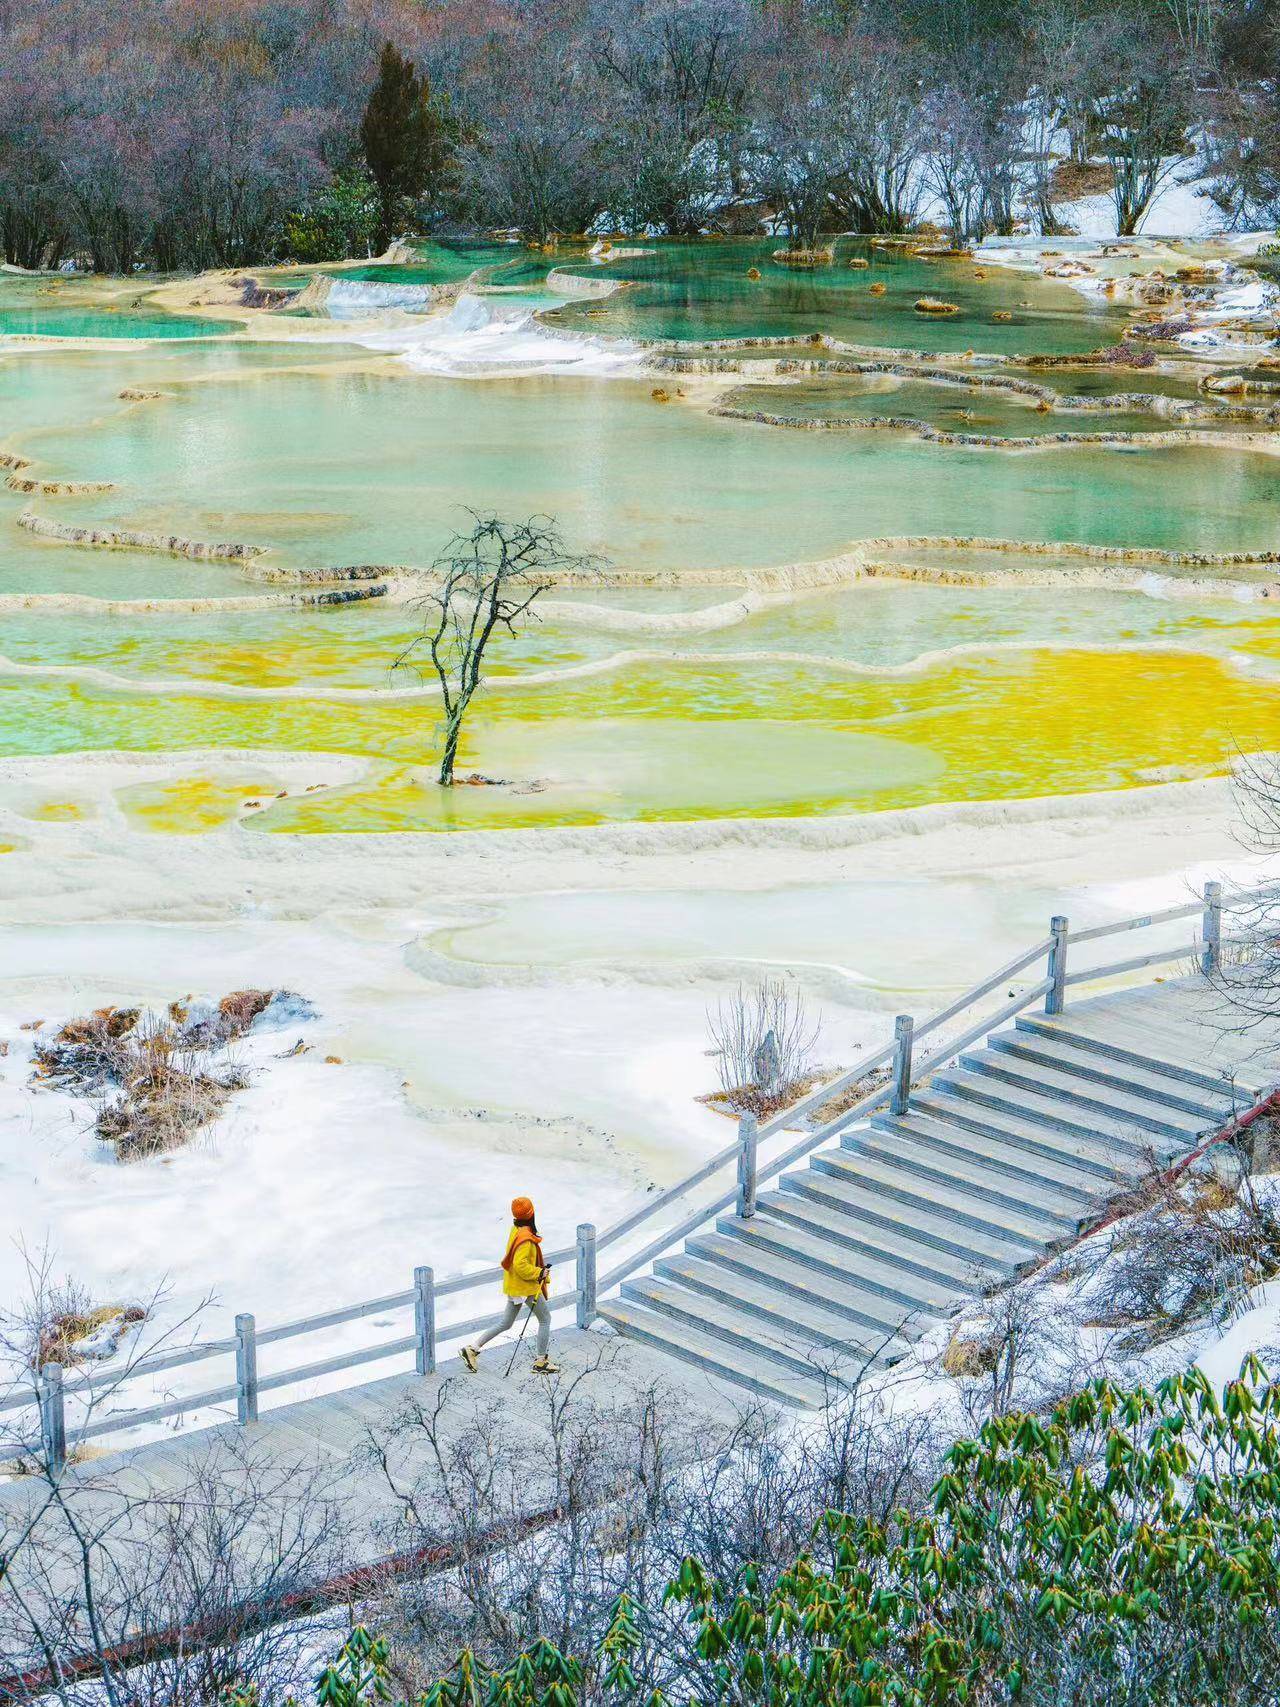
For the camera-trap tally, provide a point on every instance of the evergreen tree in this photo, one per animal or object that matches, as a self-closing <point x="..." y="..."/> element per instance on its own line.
<point x="405" y="136"/>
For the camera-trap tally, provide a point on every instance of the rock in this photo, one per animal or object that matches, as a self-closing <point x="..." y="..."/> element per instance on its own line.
<point x="1225" y="385"/>
<point x="858" y="261"/>
<point x="333" y="1060"/>
<point x="753" y="273"/>
<point x="1002" y="314"/>
<point x="876" y="289"/>
<point x="934" y="305"/>
<point x="803" y="258"/>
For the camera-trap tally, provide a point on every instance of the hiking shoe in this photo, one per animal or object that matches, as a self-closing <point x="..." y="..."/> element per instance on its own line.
<point x="470" y="1356"/>
<point x="544" y="1366"/>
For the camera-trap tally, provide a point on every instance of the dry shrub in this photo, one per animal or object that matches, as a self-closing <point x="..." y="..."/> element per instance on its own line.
<point x="169" y="1089"/>
<point x="763" y="1042"/>
<point x="1194" y="1252"/>
<point x="83" y="1054"/>
<point x="158" y="1080"/>
<point x="209" y="1026"/>
<point x="70" y="1334"/>
<point x="1072" y="180"/>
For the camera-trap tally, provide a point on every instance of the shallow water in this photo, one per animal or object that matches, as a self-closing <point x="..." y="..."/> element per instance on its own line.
<point x="692" y="291"/>
<point x="880" y="625"/>
<point x="325" y="453"/>
<point x="345" y="466"/>
<point x="53" y="305"/>
<point x="984" y="411"/>
<point x="709" y="739"/>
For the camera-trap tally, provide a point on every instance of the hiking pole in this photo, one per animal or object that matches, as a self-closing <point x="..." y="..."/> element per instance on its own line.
<point x="528" y="1317"/>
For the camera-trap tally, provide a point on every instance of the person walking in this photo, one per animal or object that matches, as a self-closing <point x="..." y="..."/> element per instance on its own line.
<point x="526" y="1281"/>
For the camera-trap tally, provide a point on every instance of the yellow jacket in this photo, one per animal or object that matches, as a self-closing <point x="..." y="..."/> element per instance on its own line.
<point x="523" y="1276"/>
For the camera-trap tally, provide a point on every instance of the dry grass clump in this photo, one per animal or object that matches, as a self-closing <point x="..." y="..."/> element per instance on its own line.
<point x="1072" y="180"/>
<point x="967" y="1356"/>
<point x="78" y="1334"/>
<point x="157" y="1080"/>
<point x="169" y="1087"/>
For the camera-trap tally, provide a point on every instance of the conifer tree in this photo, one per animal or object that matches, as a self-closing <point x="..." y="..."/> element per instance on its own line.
<point x="406" y="138"/>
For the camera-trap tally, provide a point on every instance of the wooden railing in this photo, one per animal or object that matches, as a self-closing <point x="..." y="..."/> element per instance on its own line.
<point x="423" y="1299"/>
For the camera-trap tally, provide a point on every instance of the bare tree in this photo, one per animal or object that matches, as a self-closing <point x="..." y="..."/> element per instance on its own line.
<point x="680" y="71"/>
<point x="489" y="579"/>
<point x="885" y="135"/>
<point x="954" y="168"/>
<point x="799" y="147"/>
<point x="1140" y="113"/>
<point x="763" y="1042"/>
<point x="159" y="1587"/>
<point x="536" y="149"/>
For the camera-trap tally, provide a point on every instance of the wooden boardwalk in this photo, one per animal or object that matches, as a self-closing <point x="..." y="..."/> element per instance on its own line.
<point x="1002" y="1154"/>
<point x="315" y="1494"/>
<point x="998" y="1158"/>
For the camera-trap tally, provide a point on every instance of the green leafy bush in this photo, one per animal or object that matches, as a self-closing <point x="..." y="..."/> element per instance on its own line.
<point x="337" y="222"/>
<point x="1122" y="1549"/>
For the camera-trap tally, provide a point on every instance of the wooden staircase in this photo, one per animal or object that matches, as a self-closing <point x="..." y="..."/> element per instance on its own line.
<point x="999" y="1158"/>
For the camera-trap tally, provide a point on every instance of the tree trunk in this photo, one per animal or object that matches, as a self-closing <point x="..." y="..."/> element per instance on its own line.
<point x="453" y="731"/>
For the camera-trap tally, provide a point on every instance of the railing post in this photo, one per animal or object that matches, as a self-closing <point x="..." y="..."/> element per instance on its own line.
<point x="424" y="1321"/>
<point x="903" y="1042"/>
<point x="586" y="1276"/>
<point x="53" y="1418"/>
<point x="1211" y="929"/>
<point x="246" y="1370"/>
<point x="748" y="1142"/>
<point x="1053" y="1002"/>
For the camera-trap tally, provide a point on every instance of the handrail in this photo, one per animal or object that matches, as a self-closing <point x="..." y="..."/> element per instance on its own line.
<point x="426" y="1292"/>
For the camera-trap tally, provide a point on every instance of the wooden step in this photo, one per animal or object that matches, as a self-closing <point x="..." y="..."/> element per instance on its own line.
<point x="1039" y="1051"/>
<point x="913" y="1223"/>
<point x="1138" y="1045"/>
<point x="789" y="1347"/>
<point x="958" y="1202"/>
<point x="1014" y="1163"/>
<point x="874" y="1293"/>
<point x="1098" y="1155"/>
<point x="755" y="1290"/>
<point x="943" y="1163"/>
<point x="1143" y="1112"/>
<point x="1121" y="1134"/>
<point x="712" y="1355"/>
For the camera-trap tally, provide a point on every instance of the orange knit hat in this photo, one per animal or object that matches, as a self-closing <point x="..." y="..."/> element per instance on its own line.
<point x="522" y="1209"/>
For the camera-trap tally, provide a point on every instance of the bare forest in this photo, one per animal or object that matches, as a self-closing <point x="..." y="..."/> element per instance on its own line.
<point x="182" y="134"/>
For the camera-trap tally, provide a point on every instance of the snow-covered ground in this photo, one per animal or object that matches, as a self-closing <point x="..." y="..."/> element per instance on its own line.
<point x="496" y="1014"/>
